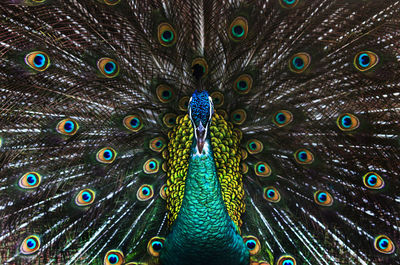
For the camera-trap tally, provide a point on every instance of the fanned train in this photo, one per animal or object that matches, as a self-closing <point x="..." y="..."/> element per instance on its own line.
<point x="203" y="132"/>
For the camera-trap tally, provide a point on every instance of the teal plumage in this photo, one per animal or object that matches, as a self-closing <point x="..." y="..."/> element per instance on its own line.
<point x="199" y="132"/>
<point x="204" y="221"/>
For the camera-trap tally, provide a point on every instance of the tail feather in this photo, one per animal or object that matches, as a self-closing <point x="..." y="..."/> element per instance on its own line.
<point x="75" y="35"/>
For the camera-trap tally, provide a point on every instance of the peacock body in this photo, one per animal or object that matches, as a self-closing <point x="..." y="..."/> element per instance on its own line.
<point x="199" y="132"/>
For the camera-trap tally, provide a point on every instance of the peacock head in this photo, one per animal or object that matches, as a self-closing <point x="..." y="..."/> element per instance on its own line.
<point x="201" y="108"/>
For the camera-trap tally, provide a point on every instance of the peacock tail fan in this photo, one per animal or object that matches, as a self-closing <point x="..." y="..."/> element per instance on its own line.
<point x="199" y="132"/>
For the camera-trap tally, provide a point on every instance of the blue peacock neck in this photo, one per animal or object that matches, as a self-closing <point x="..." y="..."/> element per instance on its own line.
<point x="203" y="226"/>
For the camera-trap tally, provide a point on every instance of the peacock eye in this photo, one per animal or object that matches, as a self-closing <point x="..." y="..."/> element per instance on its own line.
<point x="157" y="144"/>
<point x="323" y="198"/>
<point x="286" y="260"/>
<point x="145" y="192"/>
<point x="244" y="168"/>
<point x="151" y="166"/>
<point x="114" y="257"/>
<point x="243" y="84"/>
<point x="282" y="118"/>
<point x="67" y="127"/>
<point x="271" y="194"/>
<point x="373" y="181"/>
<point x="166" y="34"/>
<point x="299" y="62"/>
<point x="365" y="60"/>
<point x="384" y="244"/>
<point x="223" y="114"/>
<point x="303" y="156"/>
<point x="111" y="2"/>
<point x="243" y="154"/>
<point x="163" y="191"/>
<point x="169" y="120"/>
<point x="288" y="3"/>
<point x="165" y="93"/>
<point x="347" y="122"/>
<point x="155" y="245"/>
<point x="199" y="67"/>
<point x="37" y="60"/>
<point x="254" y="146"/>
<point x="133" y="123"/>
<point x="29" y="180"/>
<point x="108" y="67"/>
<point x="106" y="155"/>
<point x="238" y="117"/>
<point x="217" y="98"/>
<point x="30" y="245"/>
<point x="252" y="244"/>
<point x="85" y="197"/>
<point x="262" y="169"/>
<point x="164" y="166"/>
<point x="183" y="103"/>
<point x="238" y="29"/>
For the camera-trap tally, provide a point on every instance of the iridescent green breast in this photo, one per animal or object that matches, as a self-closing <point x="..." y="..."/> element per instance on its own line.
<point x="225" y="144"/>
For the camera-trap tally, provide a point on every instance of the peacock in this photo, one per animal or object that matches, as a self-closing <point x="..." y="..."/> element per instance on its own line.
<point x="203" y="132"/>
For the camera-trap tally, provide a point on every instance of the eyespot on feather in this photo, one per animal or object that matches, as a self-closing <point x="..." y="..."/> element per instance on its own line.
<point x="238" y="117"/>
<point x="365" y="60"/>
<point x="151" y="166"/>
<point x="111" y="2"/>
<point x="223" y="113"/>
<point x="299" y="62"/>
<point x="286" y="260"/>
<point x="347" y="122"/>
<point x="106" y="155"/>
<point x="384" y="244"/>
<point x="165" y="94"/>
<point x="163" y="191"/>
<point x="244" y="168"/>
<point x="304" y="157"/>
<point x="252" y="244"/>
<point x="145" y="192"/>
<point x="183" y="103"/>
<point x="166" y="34"/>
<point x="133" y="123"/>
<point x="108" y="67"/>
<point x="238" y="29"/>
<point x="254" y="146"/>
<point x="30" y="180"/>
<point x="169" y="120"/>
<point x="262" y="169"/>
<point x="114" y="257"/>
<point x="288" y="3"/>
<point x="67" y="127"/>
<point x="243" y="84"/>
<point x="157" y="144"/>
<point x="155" y="245"/>
<point x="373" y="180"/>
<point x="85" y="197"/>
<point x="282" y="118"/>
<point x="164" y="166"/>
<point x="243" y="154"/>
<point x="37" y="60"/>
<point x="30" y="245"/>
<point x="271" y="194"/>
<point x="199" y="67"/>
<point x="218" y="99"/>
<point x="323" y="198"/>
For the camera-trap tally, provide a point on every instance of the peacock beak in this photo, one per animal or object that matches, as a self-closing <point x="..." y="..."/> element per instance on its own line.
<point x="201" y="134"/>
